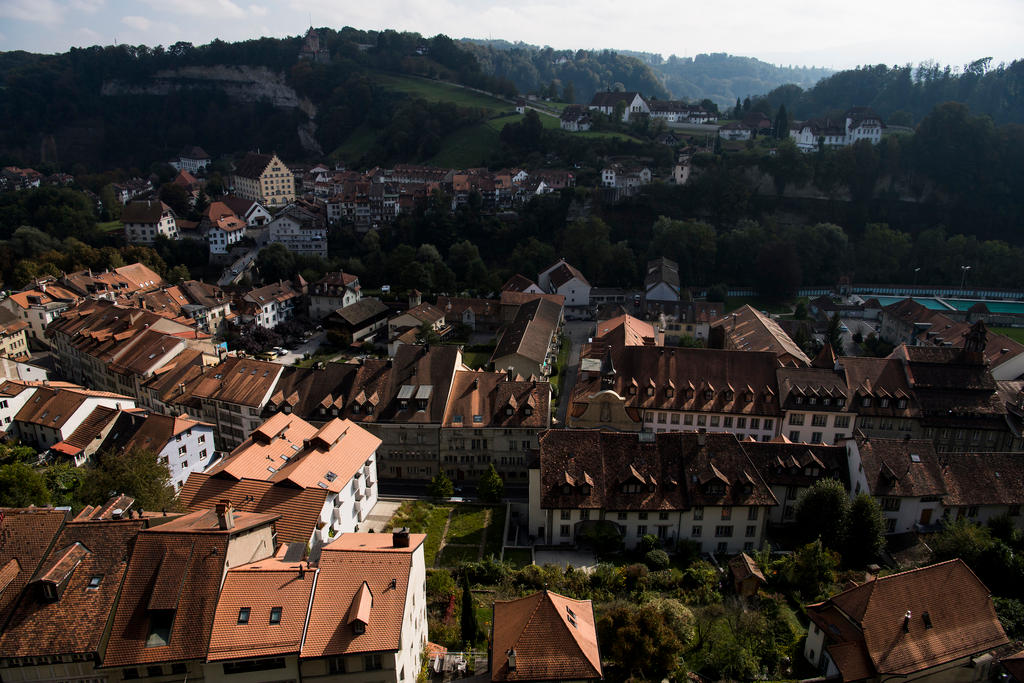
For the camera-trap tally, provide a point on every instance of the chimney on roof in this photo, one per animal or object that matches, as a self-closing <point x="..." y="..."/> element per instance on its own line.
<point x="906" y="622"/>
<point x="302" y="571"/>
<point x="225" y="515"/>
<point x="511" y="659"/>
<point x="400" y="537"/>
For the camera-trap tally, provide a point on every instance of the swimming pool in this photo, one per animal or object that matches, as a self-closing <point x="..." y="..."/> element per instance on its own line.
<point x="937" y="304"/>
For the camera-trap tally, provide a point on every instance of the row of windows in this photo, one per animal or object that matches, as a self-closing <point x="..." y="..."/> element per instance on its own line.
<point x="753" y="513"/>
<point x="726" y="421"/>
<point x="838" y="422"/>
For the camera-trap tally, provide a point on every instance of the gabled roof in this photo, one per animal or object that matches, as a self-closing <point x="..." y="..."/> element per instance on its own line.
<point x="75" y="622"/>
<point x="26" y="536"/>
<point x="610" y="99"/>
<point x="287" y="449"/>
<point x="983" y="478"/>
<point x="747" y="329"/>
<point x="174" y="575"/>
<point x="260" y="587"/>
<point x="253" y="165"/>
<point x="518" y="283"/>
<point x="798" y="464"/>
<point x="561" y="272"/>
<point x="901" y="467"/>
<point x="148" y="211"/>
<point x="346" y="564"/>
<point x="950" y="611"/>
<point x="358" y="313"/>
<point x="158" y="430"/>
<point x="530" y="333"/>
<point x="242" y="381"/>
<point x="625" y="330"/>
<point x="491" y="396"/>
<point x="673" y="471"/>
<point x="298" y="509"/>
<point x="553" y="638"/>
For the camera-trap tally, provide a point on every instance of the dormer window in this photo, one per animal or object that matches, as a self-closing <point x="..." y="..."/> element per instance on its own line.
<point x="566" y="489"/>
<point x="508" y="411"/>
<point x="585" y="489"/>
<point x="840" y="402"/>
<point x="799" y="400"/>
<point x="631" y="487"/>
<point x="885" y="403"/>
<point x="750" y="397"/>
<point x="670" y="392"/>
<point x="708" y="394"/>
<point x="650" y="391"/>
<point x="728" y="395"/>
<point x="901" y="403"/>
<point x="826" y="401"/>
<point x="812" y="400"/>
<point x="358" y="628"/>
<point x="528" y="410"/>
<point x="369" y="409"/>
<point x="632" y="391"/>
<point x="866" y="401"/>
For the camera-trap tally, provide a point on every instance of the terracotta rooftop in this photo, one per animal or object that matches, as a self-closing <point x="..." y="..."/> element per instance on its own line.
<point x="262" y="610"/>
<point x="983" y="478"/>
<point x="950" y="611"/>
<point x="529" y="334"/>
<point x="345" y="565"/>
<point x="798" y="464"/>
<point x="901" y="467"/>
<point x="494" y="399"/>
<point x="246" y="382"/>
<point x="747" y="329"/>
<point x="626" y="471"/>
<point x="86" y="567"/>
<point x="551" y="636"/>
<point x="169" y="596"/>
<point x="298" y="510"/>
<point x="625" y="330"/>
<point x="561" y="272"/>
<point x="518" y="283"/>
<point x="157" y="430"/>
<point x="26" y="536"/>
<point x="287" y="449"/>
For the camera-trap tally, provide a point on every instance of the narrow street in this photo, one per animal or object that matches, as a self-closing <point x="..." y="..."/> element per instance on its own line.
<point x="578" y="332"/>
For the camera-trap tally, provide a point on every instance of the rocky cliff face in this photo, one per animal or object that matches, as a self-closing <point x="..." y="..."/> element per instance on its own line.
<point x="248" y="84"/>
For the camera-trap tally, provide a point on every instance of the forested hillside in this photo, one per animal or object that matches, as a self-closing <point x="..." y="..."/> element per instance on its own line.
<point x="568" y="75"/>
<point x="130" y="105"/>
<point x="904" y="95"/>
<point x="722" y="77"/>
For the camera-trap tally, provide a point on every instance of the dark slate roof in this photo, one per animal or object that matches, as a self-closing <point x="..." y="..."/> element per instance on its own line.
<point x="253" y="165"/>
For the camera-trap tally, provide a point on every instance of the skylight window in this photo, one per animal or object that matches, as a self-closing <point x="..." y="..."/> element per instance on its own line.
<point x="95" y="580"/>
<point x="330" y="476"/>
<point x="243" y="615"/>
<point x="275" y="615"/>
<point x="571" y="615"/>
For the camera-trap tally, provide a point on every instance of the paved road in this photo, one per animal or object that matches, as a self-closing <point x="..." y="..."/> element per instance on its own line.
<point x="302" y="349"/>
<point x="865" y="327"/>
<point x="578" y="332"/>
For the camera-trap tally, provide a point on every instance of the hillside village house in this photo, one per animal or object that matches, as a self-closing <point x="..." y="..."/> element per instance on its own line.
<point x="936" y="623"/>
<point x="661" y="287"/>
<point x="492" y="418"/>
<point x="331" y="292"/>
<point x="565" y="280"/>
<point x="735" y="131"/>
<point x="360" y="320"/>
<point x="39" y="304"/>
<point x="790" y="469"/>
<point x="51" y="415"/>
<point x="694" y="486"/>
<point x="273" y="304"/>
<point x="574" y="118"/>
<point x="13" y="335"/>
<point x="192" y="158"/>
<point x="859" y="123"/>
<point x="815" y="403"/>
<point x="144" y="221"/>
<point x="265" y="179"/>
<point x="182" y="444"/>
<point x="633" y="104"/>
<point x="302" y="229"/>
<point x="528" y="345"/>
<point x="223" y="228"/>
<point x="251" y="211"/>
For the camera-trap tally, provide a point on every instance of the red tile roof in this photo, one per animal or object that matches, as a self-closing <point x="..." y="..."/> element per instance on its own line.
<point x="174" y="573"/>
<point x="298" y="509"/>
<point x="345" y="565"/>
<point x="553" y="638"/>
<point x="901" y="467"/>
<point x="493" y="396"/>
<point x="261" y="587"/>
<point x="75" y="622"/>
<point x="951" y="616"/>
<point x="26" y="536"/>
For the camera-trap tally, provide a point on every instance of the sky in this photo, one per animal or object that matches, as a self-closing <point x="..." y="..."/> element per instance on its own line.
<point x="836" y="34"/>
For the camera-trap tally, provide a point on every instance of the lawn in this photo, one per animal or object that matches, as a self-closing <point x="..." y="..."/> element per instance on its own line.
<point x="467" y="525"/>
<point x="110" y="226"/>
<point x="466" y="147"/>
<point x="465" y="531"/>
<point x="422" y="517"/>
<point x="519" y="557"/>
<point x="439" y="91"/>
<point x="495" y="532"/>
<point x="476" y="359"/>
<point x="1014" y="333"/>
<point x="358" y="143"/>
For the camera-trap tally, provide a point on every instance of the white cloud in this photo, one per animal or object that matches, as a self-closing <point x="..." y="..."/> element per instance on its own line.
<point x="89" y="36"/>
<point x="258" y="10"/>
<point x="40" y="11"/>
<point x="87" y="6"/>
<point x="138" y="23"/>
<point x="199" y="8"/>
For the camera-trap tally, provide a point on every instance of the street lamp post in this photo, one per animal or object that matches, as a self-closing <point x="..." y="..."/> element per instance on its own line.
<point x="916" y="271"/>
<point x="963" y="277"/>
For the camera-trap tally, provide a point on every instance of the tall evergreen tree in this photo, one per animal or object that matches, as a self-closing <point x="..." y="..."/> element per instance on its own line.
<point x="470" y="627"/>
<point x="782" y="123"/>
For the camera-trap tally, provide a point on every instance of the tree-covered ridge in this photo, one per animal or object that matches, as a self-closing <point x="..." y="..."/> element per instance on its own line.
<point x="722" y="77"/>
<point x="584" y="72"/>
<point x="60" y="108"/>
<point x="905" y="94"/>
